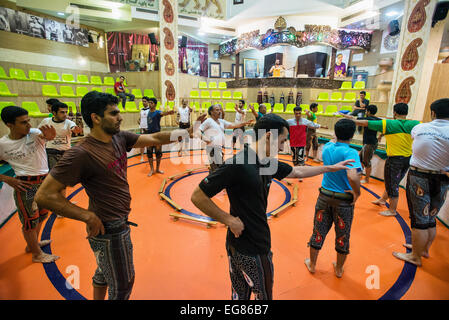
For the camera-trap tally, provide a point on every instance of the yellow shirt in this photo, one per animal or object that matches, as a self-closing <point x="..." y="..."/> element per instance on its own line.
<point x="277" y="72"/>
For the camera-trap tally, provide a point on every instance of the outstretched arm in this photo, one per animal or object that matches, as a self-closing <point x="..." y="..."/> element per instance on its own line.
<point x="48" y="132"/>
<point x="306" y="171"/>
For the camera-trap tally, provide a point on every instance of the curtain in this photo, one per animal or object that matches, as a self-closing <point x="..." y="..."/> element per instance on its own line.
<point x="120" y="46"/>
<point x="203" y="53"/>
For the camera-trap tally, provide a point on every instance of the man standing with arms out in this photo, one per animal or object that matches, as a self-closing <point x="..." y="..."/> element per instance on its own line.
<point x="240" y="115"/>
<point x="183" y="119"/>
<point x="338" y="193"/>
<point x="213" y="134"/>
<point x="370" y="141"/>
<point x="298" y="133"/>
<point x="154" y="126"/>
<point x="399" y="149"/>
<point x="312" y="139"/>
<point x="262" y="111"/>
<point x="248" y="241"/>
<point x="427" y="180"/>
<point x="24" y="149"/>
<point x="143" y="124"/>
<point x="99" y="163"/>
<point x="64" y="128"/>
<point x="119" y="88"/>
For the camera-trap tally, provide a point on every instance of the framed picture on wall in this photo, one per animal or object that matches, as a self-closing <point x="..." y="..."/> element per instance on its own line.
<point x="251" y="68"/>
<point x="226" y="75"/>
<point x="214" y="70"/>
<point x="240" y="70"/>
<point x="359" y="76"/>
<point x="238" y="1"/>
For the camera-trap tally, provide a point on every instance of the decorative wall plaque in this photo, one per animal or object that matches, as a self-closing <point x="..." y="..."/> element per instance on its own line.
<point x="418" y="16"/>
<point x="168" y="11"/>
<point x="169" y="65"/>
<point x="410" y="57"/>
<point x="404" y="93"/>
<point x="170" y="91"/>
<point x="169" y="41"/>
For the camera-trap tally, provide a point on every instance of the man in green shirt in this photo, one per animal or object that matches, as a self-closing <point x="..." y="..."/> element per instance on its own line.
<point x="399" y="150"/>
<point x="312" y="139"/>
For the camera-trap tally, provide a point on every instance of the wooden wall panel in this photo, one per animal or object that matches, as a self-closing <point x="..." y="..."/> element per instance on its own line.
<point x="439" y="87"/>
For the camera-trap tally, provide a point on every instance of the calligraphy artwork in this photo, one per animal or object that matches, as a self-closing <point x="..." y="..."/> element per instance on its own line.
<point x="404" y="93"/>
<point x="168" y="11"/>
<point x="411" y="56"/>
<point x="418" y="16"/>
<point x="169" y="41"/>
<point x="170" y="91"/>
<point x="169" y="65"/>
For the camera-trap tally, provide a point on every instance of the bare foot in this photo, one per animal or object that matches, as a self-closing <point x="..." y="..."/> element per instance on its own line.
<point x="45" y="258"/>
<point x="309" y="267"/>
<point x="159" y="171"/>
<point x="364" y="181"/>
<point x="300" y="180"/>
<point x="43" y="243"/>
<point x="408" y="257"/>
<point x="58" y="216"/>
<point x="150" y="174"/>
<point x="338" y="273"/>
<point x="409" y="246"/>
<point x="387" y="213"/>
<point x="379" y="202"/>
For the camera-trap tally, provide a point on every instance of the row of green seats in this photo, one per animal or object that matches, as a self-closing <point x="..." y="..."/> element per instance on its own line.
<point x="67" y="91"/>
<point x="347" y="85"/>
<point x="338" y="97"/>
<point x="195" y="94"/>
<point x="212" y="85"/>
<point x="4" y="91"/>
<point x="34" y="75"/>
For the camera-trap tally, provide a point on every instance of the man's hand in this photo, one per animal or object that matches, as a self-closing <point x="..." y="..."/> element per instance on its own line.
<point x="236" y="226"/>
<point x="251" y="106"/>
<point x="354" y="195"/>
<point x="250" y="122"/>
<point x="48" y="132"/>
<point x="324" y="127"/>
<point x="202" y="117"/>
<point x="77" y="129"/>
<point x="94" y="226"/>
<point x="341" y="165"/>
<point x="347" y="116"/>
<point x="17" y="184"/>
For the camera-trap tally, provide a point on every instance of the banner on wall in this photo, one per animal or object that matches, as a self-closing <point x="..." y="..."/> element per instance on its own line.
<point x="43" y="28"/>
<point x="389" y="43"/>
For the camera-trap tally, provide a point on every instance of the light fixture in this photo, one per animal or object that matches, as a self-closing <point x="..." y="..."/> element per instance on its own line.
<point x="200" y="33"/>
<point x="116" y="13"/>
<point x="391" y="13"/>
<point x="61" y="14"/>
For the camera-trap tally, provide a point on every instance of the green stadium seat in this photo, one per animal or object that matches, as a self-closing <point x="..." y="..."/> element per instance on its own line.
<point x="49" y="90"/>
<point x="4" y="91"/>
<point x="18" y="74"/>
<point x="320" y="110"/>
<point x="330" y="110"/>
<point x="202" y="85"/>
<point x="36" y="76"/>
<point x="229" y="107"/>
<point x="323" y="97"/>
<point x="81" y="91"/>
<point x="212" y="85"/>
<point x="72" y="106"/>
<point x="169" y="105"/>
<point x="216" y="94"/>
<point x="237" y="95"/>
<point x="227" y="95"/>
<point x="110" y="91"/>
<point x="194" y="94"/>
<point x="108" y="81"/>
<point x="256" y="106"/>
<point x="359" y="85"/>
<point x="304" y="108"/>
<point x="222" y="85"/>
<point x="195" y="105"/>
<point x="205" y="95"/>
<point x="131" y="107"/>
<point x="120" y="107"/>
<point x="67" y="91"/>
<point x="68" y="78"/>
<point x="368" y="96"/>
<point x="346" y="85"/>
<point x="96" y="80"/>
<point x="205" y="106"/>
<point x="137" y="93"/>
<point x="3" y="74"/>
<point x="348" y="108"/>
<point x="148" y="93"/>
<point x="278" y="108"/>
<point x="158" y="105"/>
<point x="82" y="79"/>
<point x="289" y="109"/>
<point x="52" y="77"/>
<point x="336" y="97"/>
<point x="33" y="109"/>
<point x="349" y="97"/>
<point x="97" y="89"/>
<point x="5" y="104"/>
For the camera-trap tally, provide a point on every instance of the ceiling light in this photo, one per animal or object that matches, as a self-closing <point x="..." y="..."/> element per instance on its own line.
<point x="60" y="14"/>
<point x="200" y="33"/>
<point x="391" y="13"/>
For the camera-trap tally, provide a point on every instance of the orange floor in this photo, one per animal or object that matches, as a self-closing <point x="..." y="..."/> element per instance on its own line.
<point x="185" y="260"/>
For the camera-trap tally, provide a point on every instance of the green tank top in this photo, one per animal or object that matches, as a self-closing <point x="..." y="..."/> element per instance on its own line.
<point x="312" y="117"/>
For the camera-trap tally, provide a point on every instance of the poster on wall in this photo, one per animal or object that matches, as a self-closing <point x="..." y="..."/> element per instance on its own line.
<point x="389" y="43"/>
<point x="341" y="63"/>
<point x="81" y="37"/>
<point x="359" y="76"/>
<point x="53" y="30"/>
<point x="210" y="8"/>
<point x="4" y="19"/>
<point x="251" y="68"/>
<point x="68" y="35"/>
<point x="18" y="22"/>
<point x="193" y="62"/>
<point x="37" y="26"/>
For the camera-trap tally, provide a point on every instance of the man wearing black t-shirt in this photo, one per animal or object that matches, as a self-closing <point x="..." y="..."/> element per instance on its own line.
<point x="370" y="141"/>
<point x="360" y="105"/>
<point x="248" y="241"/>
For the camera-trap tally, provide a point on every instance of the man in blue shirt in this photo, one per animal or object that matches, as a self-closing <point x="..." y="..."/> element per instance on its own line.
<point x="338" y="194"/>
<point x="154" y="125"/>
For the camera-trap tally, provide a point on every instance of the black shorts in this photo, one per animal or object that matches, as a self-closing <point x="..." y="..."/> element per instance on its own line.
<point x="366" y="154"/>
<point x="298" y="156"/>
<point x="143" y="131"/>
<point x="394" y="171"/>
<point x="330" y="211"/>
<point x="426" y="194"/>
<point x="154" y="149"/>
<point x="184" y="125"/>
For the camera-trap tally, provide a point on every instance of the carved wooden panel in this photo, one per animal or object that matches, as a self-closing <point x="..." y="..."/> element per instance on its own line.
<point x="418" y="17"/>
<point x="170" y="93"/>
<point x="404" y="93"/>
<point x="168" y="11"/>
<point x="169" y="41"/>
<point x="410" y="57"/>
<point x="169" y="65"/>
